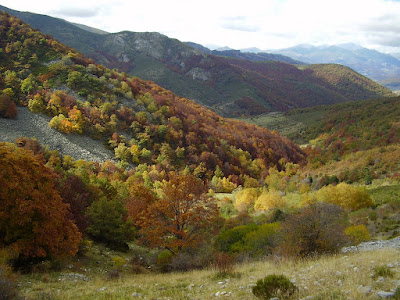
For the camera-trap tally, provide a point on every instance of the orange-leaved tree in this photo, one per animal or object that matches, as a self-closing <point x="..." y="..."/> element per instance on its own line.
<point x="182" y="216"/>
<point x="34" y="221"/>
<point x="140" y="198"/>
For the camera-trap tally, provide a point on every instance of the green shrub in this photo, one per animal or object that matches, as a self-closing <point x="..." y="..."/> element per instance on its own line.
<point x="383" y="271"/>
<point x="372" y="215"/>
<point x="397" y="294"/>
<point x="262" y="240"/>
<point x="164" y="258"/>
<point x="108" y="223"/>
<point x="118" y="262"/>
<point x="232" y="240"/>
<point x="274" y="286"/>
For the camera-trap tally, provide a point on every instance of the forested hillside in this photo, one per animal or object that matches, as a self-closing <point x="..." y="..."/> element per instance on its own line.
<point x="141" y="121"/>
<point x="354" y="126"/>
<point x="352" y="141"/>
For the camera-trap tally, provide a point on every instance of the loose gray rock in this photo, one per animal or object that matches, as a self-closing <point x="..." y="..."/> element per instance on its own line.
<point x="219" y="293"/>
<point x="384" y="294"/>
<point x="364" y="289"/>
<point x="74" y="276"/>
<point x="373" y="245"/>
<point x="380" y="279"/>
<point x="36" y="126"/>
<point x="137" y="295"/>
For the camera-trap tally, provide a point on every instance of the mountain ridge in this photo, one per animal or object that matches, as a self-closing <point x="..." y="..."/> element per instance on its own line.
<point x="381" y="67"/>
<point x="230" y="86"/>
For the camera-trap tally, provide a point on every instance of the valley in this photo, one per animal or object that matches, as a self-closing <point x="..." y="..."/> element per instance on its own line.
<point x="116" y="186"/>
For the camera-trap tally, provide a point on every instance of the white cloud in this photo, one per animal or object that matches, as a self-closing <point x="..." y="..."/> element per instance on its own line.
<point x="264" y="24"/>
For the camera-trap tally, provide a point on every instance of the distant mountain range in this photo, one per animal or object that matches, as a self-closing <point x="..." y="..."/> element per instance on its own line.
<point x="383" y="68"/>
<point x="261" y="56"/>
<point x="230" y="82"/>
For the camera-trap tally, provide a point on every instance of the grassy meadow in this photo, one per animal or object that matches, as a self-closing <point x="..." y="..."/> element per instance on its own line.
<point x="328" y="277"/>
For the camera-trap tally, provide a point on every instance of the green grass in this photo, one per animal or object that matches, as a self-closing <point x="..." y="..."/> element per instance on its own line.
<point x="277" y="121"/>
<point x="385" y="194"/>
<point x="289" y="125"/>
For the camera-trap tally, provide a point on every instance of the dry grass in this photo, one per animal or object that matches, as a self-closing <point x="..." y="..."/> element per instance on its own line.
<point x="330" y="277"/>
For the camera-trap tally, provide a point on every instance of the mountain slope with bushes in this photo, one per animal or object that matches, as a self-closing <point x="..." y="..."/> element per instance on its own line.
<point x="230" y="86"/>
<point x="141" y="121"/>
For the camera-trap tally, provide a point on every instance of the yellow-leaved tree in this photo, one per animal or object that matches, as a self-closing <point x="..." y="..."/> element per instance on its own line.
<point x="269" y="200"/>
<point x="245" y="198"/>
<point x="345" y="195"/>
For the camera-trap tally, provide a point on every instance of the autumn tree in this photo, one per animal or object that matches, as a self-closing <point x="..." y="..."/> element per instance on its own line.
<point x="8" y="108"/>
<point x="78" y="196"/>
<point x="345" y="195"/>
<point x="245" y="198"/>
<point x="140" y="197"/>
<point x="181" y="217"/>
<point x="269" y="200"/>
<point x="34" y="221"/>
<point x="315" y="229"/>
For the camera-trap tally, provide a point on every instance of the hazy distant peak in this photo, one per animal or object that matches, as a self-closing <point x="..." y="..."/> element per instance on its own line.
<point x="224" y="48"/>
<point x="350" y="46"/>
<point x="90" y="29"/>
<point x="252" y="50"/>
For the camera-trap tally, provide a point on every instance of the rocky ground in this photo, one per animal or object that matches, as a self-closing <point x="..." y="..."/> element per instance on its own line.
<point x="36" y="126"/>
<point x="373" y="245"/>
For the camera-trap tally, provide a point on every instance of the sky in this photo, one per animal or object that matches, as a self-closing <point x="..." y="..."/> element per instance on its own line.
<point x="265" y="24"/>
